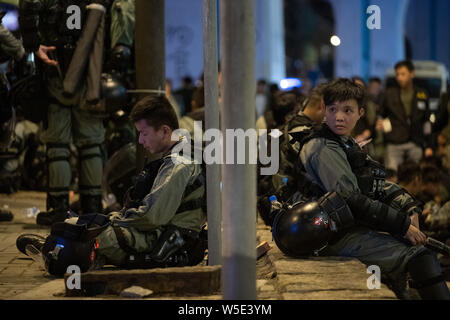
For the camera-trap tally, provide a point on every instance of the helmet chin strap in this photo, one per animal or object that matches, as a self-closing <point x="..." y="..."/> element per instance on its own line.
<point x="316" y="252"/>
<point x="54" y="253"/>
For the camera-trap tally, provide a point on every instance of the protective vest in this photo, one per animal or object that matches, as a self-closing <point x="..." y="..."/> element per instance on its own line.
<point x="369" y="173"/>
<point x="143" y="184"/>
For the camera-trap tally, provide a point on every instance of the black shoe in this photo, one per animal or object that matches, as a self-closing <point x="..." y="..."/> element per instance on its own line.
<point x="25" y="239"/>
<point x="48" y="218"/>
<point x="57" y="208"/>
<point x="6" y="215"/>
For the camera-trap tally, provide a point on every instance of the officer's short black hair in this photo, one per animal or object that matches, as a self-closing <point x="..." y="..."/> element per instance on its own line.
<point x="315" y="97"/>
<point x="157" y="110"/>
<point x="284" y="103"/>
<point x="405" y="63"/>
<point x="342" y="90"/>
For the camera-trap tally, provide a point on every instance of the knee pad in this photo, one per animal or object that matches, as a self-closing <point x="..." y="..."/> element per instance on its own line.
<point x="426" y="275"/>
<point x="91" y="170"/>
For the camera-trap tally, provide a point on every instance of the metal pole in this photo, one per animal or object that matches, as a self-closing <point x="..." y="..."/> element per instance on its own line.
<point x="149" y="53"/>
<point x="212" y="121"/>
<point x="239" y="180"/>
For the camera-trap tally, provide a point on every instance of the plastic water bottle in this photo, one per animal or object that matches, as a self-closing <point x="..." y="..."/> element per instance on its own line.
<point x="276" y="205"/>
<point x="275" y="208"/>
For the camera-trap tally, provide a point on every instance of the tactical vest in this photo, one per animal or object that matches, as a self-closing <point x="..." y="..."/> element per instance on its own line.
<point x="369" y="173"/>
<point x="143" y="184"/>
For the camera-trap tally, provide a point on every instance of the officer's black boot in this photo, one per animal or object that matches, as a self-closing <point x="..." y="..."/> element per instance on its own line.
<point x="91" y="203"/>
<point x="57" y="208"/>
<point x="25" y="239"/>
<point x="427" y="278"/>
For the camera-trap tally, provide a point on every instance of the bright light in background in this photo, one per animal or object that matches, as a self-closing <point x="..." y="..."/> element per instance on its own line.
<point x="10" y="20"/>
<point x="335" y="41"/>
<point x="289" y="83"/>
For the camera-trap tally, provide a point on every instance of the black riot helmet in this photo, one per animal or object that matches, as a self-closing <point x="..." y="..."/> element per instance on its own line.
<point x="60" y="253"/>
<point x="120" y="58"/>
<point x="306" y="228"/>
<point x="113" y="92"/>
<point x="73" y="244"/>
<point x="301" y="230"/>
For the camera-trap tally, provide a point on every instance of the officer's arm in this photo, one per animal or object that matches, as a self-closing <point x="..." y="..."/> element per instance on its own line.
<point x="399" y="199"/>
<point x="328" y="163"/>
<point x="10" y="45"/>
<point x="29" y="23"/>
<point x="336" y="175"/>
<point x="161" y="204"/>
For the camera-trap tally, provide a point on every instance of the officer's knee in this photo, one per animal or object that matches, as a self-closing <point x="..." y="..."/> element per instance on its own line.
<point x="426" y="275"/>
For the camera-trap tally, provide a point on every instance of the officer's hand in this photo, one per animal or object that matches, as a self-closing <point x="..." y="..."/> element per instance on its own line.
<point x="415" y="236"/>
<point x="428" y="152"/>
<point x="42" y="53"/>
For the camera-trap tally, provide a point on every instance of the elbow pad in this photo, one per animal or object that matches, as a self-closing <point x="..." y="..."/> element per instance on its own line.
<point x="378" y="215"/>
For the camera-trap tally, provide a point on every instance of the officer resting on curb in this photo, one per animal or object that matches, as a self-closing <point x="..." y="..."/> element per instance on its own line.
<point x="288" y="185"/>
<point x="354" y="218"/>
<point x="161" y="222"/>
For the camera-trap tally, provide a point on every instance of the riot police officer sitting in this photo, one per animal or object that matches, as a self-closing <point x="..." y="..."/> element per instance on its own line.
<point x="330" y="162"/>
<point x="161" y="222"/>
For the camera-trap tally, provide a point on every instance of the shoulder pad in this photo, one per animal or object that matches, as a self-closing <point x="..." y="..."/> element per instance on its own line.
<point x="331" y="143"/>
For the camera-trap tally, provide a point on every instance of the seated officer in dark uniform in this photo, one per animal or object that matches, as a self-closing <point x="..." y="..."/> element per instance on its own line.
<point x="288" y="184"/>
<point x="163" y="214"/>
<point x="365" y="218"/>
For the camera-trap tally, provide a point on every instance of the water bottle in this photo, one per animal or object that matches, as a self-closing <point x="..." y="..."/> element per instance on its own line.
<point x="275" y="208"/>
<point x="276" y="205"/>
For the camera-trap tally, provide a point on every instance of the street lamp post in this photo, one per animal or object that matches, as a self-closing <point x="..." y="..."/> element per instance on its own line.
<point x="239" y="180"/>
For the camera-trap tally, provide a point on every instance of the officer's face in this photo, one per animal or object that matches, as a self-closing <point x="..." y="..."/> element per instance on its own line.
<point x="404" y="76"/>
<point x="154" y="141"/>
<point x="342" y="116"/>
